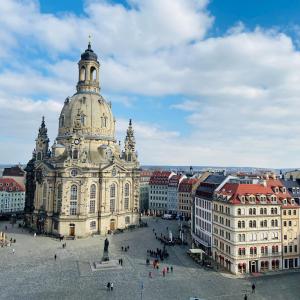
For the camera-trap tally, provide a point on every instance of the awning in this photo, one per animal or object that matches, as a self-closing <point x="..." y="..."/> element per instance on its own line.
<point x="194" y="251"/>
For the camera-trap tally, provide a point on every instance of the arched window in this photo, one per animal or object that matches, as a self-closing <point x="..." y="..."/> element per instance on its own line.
<point x="250" y="211"/>
<point x="250" y="224"/>
<point x="92" y="198"/>
<point x="44" y="195"/>
<point x="265" y="211"/>
<point x="243" y="224"/>
<point x="239" y="211"/>
<point x="239" y="224"/>
<point x="82" y="120"/>
<point x="59" y="198"/>
<point x="75" y="154"/>
<point x="126" y="195"/>
<point x="272" y="223"/>
<point x="265" y="223"/>
<point x="73" y="200"/>
<point x="254" y="224"/>
<point x="112" y="197"/>
<point x="62" y="121"/>
<point x="82" y="74"/>
<point x="93" y="74"/>
<point x="104" y="121"/>
<point x="254" y="211"/>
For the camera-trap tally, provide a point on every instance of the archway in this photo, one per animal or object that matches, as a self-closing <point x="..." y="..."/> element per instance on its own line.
<point x="72" y="230"/>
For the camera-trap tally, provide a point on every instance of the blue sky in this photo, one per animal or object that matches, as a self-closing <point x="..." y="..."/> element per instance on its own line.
<point x="206" y="82"/>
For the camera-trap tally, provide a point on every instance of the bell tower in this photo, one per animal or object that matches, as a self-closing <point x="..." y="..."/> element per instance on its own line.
<point x="129" y="153"/>
<point x="42" y="142"/>
<point x="88" y="67"/>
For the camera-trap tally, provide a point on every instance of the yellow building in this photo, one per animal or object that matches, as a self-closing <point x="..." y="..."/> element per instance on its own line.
<point x="86" y="184"/>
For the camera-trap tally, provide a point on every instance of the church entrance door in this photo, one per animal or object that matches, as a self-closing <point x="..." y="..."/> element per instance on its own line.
<point x="72" y="229"/>
<point x="112" y="225"/>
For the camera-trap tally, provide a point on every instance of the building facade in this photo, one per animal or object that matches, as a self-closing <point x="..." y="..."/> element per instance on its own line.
<point x="158" y="192"/>
<point x="186" y="192"/>
<point x="202" y="212"/>
<point x="16" y="173"/>
<point x="247" y="227"/>
<point x="86" y="184"/>
<point x="172" y="194"/>
<point x="12" y="196"/>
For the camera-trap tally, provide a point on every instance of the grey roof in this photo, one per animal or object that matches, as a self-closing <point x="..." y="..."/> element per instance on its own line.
<point x="208" y="186"/>
<point x="215" y="179"/>
<point x="292" y="186"/>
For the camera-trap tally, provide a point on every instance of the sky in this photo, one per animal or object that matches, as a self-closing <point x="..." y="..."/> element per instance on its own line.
<point x="205" y="82"/>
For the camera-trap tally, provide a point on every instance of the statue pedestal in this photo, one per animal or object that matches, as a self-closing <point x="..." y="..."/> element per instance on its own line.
<point x="106" y="265"/>
<point x="105" y="256"/>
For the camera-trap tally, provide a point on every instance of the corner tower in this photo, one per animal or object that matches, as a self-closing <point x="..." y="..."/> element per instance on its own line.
<point x="88" y="79"/>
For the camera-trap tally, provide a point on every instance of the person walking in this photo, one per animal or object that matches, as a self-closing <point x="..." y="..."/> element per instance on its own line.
<point x="171" y="269"/>
<point x="245" y="297"/>
<point x="13" y="250"/>
<point x="108" y="286"/>
<point x="55" y="256"/>
<point x="253" y="288"/>
<point x="111" y="286"/>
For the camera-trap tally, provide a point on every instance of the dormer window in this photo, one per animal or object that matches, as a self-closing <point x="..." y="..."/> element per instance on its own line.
<point x="276" y="190"/>
<point x="283" y="189"/>
<point x="292" y="201"/>
<point x="242" y="198"/>
<point x="284" y="201"/>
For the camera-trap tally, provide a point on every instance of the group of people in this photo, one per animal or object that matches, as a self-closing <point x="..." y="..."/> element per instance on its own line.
<point x="110" y="286"/>
<point x="125" y="248"/>
<point x="158" y="253"/>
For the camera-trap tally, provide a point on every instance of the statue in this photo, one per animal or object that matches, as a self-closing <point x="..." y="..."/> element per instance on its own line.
<point x="105" y="256"/>
<point x="106" y="244"/>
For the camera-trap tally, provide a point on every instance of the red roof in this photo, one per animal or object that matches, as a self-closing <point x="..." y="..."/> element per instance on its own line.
<point x="186" y="185"/>
<point x="160" y="178"/>
<point x="10" y="185"/>
<point x="235" y="190"/>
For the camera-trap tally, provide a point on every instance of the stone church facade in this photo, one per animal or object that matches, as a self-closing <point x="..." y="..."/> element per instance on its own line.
<point x="86" y="184"/>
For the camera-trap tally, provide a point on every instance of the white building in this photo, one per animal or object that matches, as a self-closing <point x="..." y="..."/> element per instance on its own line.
<point x="12" y="196"/>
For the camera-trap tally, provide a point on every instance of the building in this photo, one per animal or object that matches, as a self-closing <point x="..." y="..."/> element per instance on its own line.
<point x="158" y="193"/>
<point x="172" y="194"/>
<point x="16" y="173"/>
<point x="12" y="196"/>
<point x="186" y="191"/>
<point x="144" y="190"/>
<point x="202" y="212"/>
<point x="247" y="227"/>
<point x="86" y="184"/>
<point x="290" y="223"/>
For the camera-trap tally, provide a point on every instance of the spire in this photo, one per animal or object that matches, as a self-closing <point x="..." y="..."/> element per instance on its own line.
<point x="129" y="153"/>
<point x="42" y="142"/>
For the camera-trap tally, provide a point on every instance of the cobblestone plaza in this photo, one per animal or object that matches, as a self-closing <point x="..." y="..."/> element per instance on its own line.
<point x="32" y="272"/>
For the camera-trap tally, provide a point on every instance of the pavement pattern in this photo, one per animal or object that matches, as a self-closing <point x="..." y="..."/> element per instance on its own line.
<point x="32" y="273"/>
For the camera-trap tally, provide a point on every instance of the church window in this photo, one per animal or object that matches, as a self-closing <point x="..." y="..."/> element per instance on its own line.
<point x="39" y="156"/>
<point x="62" y="121"/>
<point x="92" y="198"/>
<point x="73" y="200"/>
<point x="75" y="154"/>
<point x="82" y="74"/>
<point x="126" y="194"/>
<point x="82" y="120"/>
<point x="112" y="197"/>
<point x="59" y="198"/>
<point x="93" y="75"/>
<point x="103" y="121"/>
<point x="44" y="195"/>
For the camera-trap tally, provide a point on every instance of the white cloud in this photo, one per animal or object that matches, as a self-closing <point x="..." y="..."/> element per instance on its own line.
<point x="241" y="89"/>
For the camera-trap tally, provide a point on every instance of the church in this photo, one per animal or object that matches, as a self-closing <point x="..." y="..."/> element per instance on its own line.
<point x="85" y="183"/>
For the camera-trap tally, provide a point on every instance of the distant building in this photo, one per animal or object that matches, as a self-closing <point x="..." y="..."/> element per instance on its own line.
<point x="12" y="196"/>
<point x="144" y="190"/>
<point x="158" y="192"/>
<point x="293" y="187"/>
<point x="202" y="212"/>
<point x="172" y="195"/>
<point x="16" y="173"/>
<point x="186" y="193"/>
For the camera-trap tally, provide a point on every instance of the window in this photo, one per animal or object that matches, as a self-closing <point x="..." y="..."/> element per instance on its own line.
<point x="103" y="121"/>
<point x="127" y="220"/>
<point x="62" y="121"/>
<point x="93" y="225"/>
<point x="275" y="264"/>
<point x="112" y="197"/>
<point x="75" y="154"/>
<point x="285" y="249"/>
<point x="239" y="211"/>
<point x="73" y="200"/>
<point x="44" y="195"/>
<point x="264" y="266"/>
<point x="242" y="251"/>
<point x="92" y="198"/>
<point x="59" y="198"/>
<point x="126" y="194"/>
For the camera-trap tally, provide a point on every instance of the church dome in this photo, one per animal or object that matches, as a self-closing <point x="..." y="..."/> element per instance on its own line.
<point x="88" y="114"/>
<point x="89" y="54"/>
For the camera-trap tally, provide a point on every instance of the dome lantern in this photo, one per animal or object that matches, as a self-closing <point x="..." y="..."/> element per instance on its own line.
<point x="88" y="69"/>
